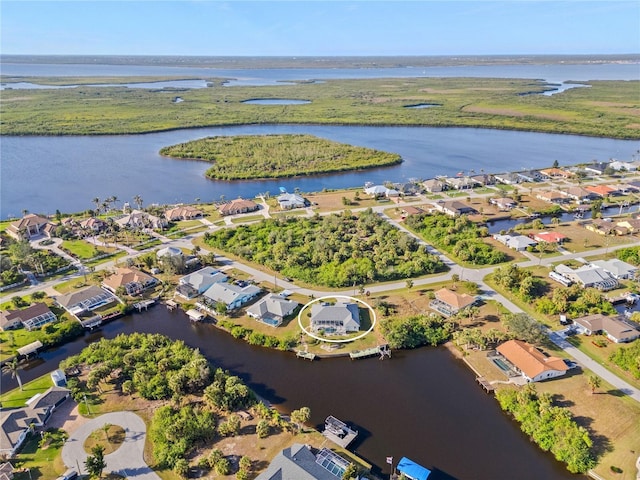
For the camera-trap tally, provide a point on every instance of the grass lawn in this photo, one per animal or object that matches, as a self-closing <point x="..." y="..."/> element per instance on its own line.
<point x="111" y="440"/>
<point x="43" y="463"/>
<point x="247" y="218"/>
<point x="84" y="250"/>
<point x="17" y="398"/>
<point x="331" y="201"/>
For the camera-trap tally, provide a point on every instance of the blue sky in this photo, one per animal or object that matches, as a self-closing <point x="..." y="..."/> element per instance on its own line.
<point x="319" y="28"/>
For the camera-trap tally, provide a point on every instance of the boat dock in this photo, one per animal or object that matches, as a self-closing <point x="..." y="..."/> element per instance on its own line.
<point x="338" y="432"/>
<point x="305" y="355"/>
<point x="171" y="305"/>
<point x="195" y="315"/>
<point x="382" y="350"/>
<point x="486" y="386"/>
<point x="145" y="304"/>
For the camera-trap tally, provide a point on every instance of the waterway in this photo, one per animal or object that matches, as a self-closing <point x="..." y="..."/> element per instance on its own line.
<point x="423" y="404"/>
<point x="42" y="174"/>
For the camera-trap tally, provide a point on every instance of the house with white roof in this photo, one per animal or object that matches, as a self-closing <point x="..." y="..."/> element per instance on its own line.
<point x="287" y="201"/>
<point x="519" y="243"/>
<point x="272" y="309"/>
<point x="339" y="318"/>
<point x="589" y="276"/>
<point x="233" y="296"/>
<point x="198" y="282"/>
<point x="298" y="462"/>
<point x="617" y="268"/>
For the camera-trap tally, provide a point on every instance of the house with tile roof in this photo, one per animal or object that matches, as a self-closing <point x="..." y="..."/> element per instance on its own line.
<point x="454" y="208"/>
<point x="549" y="237"/>
<point x="616" y="328"/>
<point x="237" y="206"/>
<point x="434" y="185"/>
<point x="182" y="212"/>
<point x="339" y="318"/>
<point x="31" y="317"/>
<point x="602" y="191"/>
<point x="132" y="280"/>
<point x="272" y="309"/>
<point x="448" y="303"/>
<point x="552" y="196"/>
<point x="30" y="226"/>
<point x="530" y="362"/>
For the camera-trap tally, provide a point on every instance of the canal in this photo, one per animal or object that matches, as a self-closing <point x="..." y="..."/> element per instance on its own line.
<point x="423" y="404"/>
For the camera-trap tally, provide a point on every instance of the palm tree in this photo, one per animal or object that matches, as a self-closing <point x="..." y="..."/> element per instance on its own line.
<point x="96" y="201"/>
<point x="12" y="367"/>
<point x="137" y="199"/>
<point x="594" y="382"/>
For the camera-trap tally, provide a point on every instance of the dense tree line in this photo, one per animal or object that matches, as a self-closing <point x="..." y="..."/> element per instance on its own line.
<point x="273" y="156"/>
<point x="458" y="236"/>
<point x="336" y="250"/>
<point x="575" y="301"/>
<point x="153" y="365"/>
<point x="629" y="255"/>
<point x="42" y="262"/>
<point x="550" y="426"/>
<point x="628" y="358"/>
<point x="416" y="331"/>
<point x="518" y="281"/>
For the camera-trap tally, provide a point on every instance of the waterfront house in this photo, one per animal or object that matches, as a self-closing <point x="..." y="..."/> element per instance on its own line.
<point x="31" y="317"/>
<point x="339" y="318"/>
<point x="597" y="168"/>
<point x="237" y="206"/>
<point x="578" y="194"/>
<point x="454" y="208"/>
<point x="616" y="328"/>
<point x="272" y="309"/>
<point x="483" y="179"/>
<point x="530" y="362"/>
<point x="378" y="191"/>
<point x="619" y="269"/>
<point x="287" y="201"/>
<point x="508" y="178"/>
<point x="132" y="280"/>
<point x="589" y="276"/>
<point x="552" y="196"/>
<point x="434" y="185"/>
<point x="16" y="423"/>
<point x="412" y="470"/>
<point x="298" y="462"/>
<point x="408" y="188"/>
<point x="519" y="243"/>
<point x="230" y="295"/>
<point x="530" y="176"/>
<point x="549" y="237"/>
<point x="625" y="166"/>
<point x="503" y="203"/>
<point x="553" y="173"/>
<point x="461" y="183"/>
<point x="448" y="303"/>
<point x="182" y="212"/>
<point x="602" y="191"/>
<point x="631" y="224"/>
<point x="93" y="224"/>
<point x="198" y="282"/>
<point x="85" y="300"/>
<point x="138" y="219"/>
<point x="603" y="227"/>
<point x="31" y="226"/>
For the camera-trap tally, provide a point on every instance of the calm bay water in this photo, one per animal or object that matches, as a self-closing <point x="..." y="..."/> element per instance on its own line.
<point x="42" y="174"/>
<point x="423" y="404"/>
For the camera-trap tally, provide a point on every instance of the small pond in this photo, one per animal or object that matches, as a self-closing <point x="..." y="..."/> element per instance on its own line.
<point x="423" y="105"/>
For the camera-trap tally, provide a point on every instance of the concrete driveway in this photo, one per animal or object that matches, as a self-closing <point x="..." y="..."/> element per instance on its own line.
<point x="127" y="461"/>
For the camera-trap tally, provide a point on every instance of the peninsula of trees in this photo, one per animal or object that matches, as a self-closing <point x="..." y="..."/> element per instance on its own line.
<point x="274" y="156"/>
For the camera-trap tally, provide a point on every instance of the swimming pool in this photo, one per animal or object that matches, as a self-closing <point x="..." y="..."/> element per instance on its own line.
<point x="501" y="365"/>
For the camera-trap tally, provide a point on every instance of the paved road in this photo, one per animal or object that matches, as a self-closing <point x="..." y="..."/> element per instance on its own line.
<point x="127" y="461"/>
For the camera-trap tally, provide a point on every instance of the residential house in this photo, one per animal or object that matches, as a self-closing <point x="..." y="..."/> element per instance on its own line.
<point x="503" y="203"/>
<point x="132" y="280"/>
<point x="550" y="237"/>
<point x="530" y="176"/>
<point x="628" y="166"/>
<point x="553" y="173"/>
<point x="408" y="188"/>
<point x="409" y="210"/>
<point x="619" y="269"/>
<point x="168" y="252"/>
<point x="182" y="212"/>
<point x="519" y="243"/>
<point x="530" y="362"/>
<point x="237" y="206"/>
<point x="233" y="296"/>
<point x="339" y="318"/>
<point x="631" y="224"/>
<point x="85" y="300"/>
<point x="377" y="191"/>
<point x="138" y="219"/>
<point x="434" y="185"/>
<point x="31" y="317"/>
<point x="578" y="194"/>
<point x="484" y="179"/>
<point x="461" y="183"/>
<point x="508" y="178"/>
<point x="31" y="226"/>
<point x="602" y="191"/>
<point x="6" y="471"/>
<point x="454" y="208"/>
<point x="298" y="462"/>
<point x="589" y="276"/>
<point x="272" y="309"/>
<point x="287" y="201"/>
<point x="16" y="423"/>
<point x="198" y="282"/>
<point x="449" y="303"/>
<point x="552" y="196"/>
<point x="615" y="328"/>
<point x="93" y="224"/>
<point x="597" y="168"/>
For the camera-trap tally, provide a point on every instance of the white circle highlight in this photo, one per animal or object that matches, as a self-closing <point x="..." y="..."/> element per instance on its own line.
<point x="346" y="340"/>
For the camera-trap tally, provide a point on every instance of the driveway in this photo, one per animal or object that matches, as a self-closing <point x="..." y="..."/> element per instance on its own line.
<point x="127" y="461"/>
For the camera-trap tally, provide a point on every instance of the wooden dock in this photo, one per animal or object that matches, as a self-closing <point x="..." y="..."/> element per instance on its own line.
<point x="305" y="355"/>
<point x="171" y="305"/>
<point x="195" y="315"/>
<point x="338" y="432"/>
<point x="486" y="386"/>
<point x="145" y="304"/>
<point x="382" y="350"/>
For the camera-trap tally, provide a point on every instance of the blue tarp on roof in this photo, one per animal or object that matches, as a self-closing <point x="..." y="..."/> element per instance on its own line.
<point x="412" y="470"/>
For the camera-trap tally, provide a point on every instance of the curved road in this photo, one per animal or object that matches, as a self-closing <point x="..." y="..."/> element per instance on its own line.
<point x="128" y="460"/>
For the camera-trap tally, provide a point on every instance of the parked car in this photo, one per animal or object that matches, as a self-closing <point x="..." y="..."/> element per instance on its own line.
<point x="68" y="475"/>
